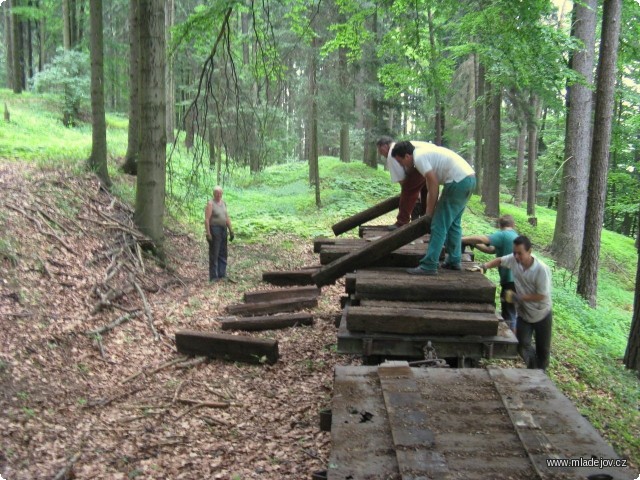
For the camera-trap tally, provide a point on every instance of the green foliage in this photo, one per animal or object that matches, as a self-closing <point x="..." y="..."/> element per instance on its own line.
<point x="68" y="75"/>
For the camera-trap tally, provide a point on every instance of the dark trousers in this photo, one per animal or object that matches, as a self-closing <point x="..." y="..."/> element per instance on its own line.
<point x="218" y="252"/>
<point x="538" y="357"/>
<point x="508" y="310"/>
<point x="413" y="186"/>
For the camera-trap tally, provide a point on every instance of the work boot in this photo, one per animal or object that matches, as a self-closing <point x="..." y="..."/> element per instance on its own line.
<point x="450" y="266"/>
<point x="421" y="271"/>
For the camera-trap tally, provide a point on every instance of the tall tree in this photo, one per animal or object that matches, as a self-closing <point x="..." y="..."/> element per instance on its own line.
<point x="572" y="203"/>
<point x="532" y="155"/>
<point x="314" y="167"/>
<point x="632" y="353"/>
<point x="171" y="84"/>
<point x="8" y="41"/>
<point x="130" y="164"/>
<point x="491" y="152"/>
<point x="479" y="110"/>
<point x="606" y="77"/>
<point x="345" y="107"/>
<point x="66" y="25"/>
<point x="98" y="159"/>
<point x="151" y="179"/>
<point x="18" y="52"/>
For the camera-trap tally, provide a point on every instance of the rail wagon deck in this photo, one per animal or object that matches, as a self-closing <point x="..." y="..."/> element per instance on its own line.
<point x="395" y="422"/>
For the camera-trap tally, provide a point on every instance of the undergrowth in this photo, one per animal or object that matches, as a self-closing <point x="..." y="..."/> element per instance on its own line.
<point x="588" y="344"/>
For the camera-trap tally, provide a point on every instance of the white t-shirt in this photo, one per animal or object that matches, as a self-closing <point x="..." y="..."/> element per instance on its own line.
<point x="446" y="164"/>
<point x="535" y="280"/>
<point x="395" y="169"/>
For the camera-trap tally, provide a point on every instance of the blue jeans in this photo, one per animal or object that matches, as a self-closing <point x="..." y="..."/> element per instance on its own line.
<point x="446" y="224"/>
<point x="538" y="357"/>
<point x="218" y="252"/>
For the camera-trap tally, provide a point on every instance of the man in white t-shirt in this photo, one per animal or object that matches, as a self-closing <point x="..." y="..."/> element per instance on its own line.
<point x="533" y="284"/>
<point x="440" y="166"/>
<point x="412" y="185"/>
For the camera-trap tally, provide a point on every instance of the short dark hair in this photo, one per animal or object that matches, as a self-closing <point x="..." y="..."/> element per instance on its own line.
<point x="523" y="240"/>
<point x="384" y="140"/>
<point x="402" y="148"/>
<point x="506" y="221"/>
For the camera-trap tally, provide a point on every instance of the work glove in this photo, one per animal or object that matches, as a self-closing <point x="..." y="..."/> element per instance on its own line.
<point x="511" y="297"/>
<point x="231" y="235"/>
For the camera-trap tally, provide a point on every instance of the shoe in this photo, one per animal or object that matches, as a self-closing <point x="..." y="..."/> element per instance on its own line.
<point x="450" y="266"/>
<point x="421" y="271"/>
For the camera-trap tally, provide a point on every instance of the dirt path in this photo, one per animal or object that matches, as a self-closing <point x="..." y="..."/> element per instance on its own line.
<point x="66" y="401"/>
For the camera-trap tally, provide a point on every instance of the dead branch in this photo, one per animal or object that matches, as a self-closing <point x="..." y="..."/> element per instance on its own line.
<point x="64" y="472"/>
<point x="147" y="311"/>
<point x="192" y="363"/>
<point x="200" y="403"/>
<point x="103" y="402"/>
<point x="40" y="229"/>
<point x="155" y="370"/>
<point x="175" y="395"/>
<point x="110" y="326"/>
<point x="215" y="421"/>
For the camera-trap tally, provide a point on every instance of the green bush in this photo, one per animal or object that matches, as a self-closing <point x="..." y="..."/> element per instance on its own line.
<point x="68" y="75"/>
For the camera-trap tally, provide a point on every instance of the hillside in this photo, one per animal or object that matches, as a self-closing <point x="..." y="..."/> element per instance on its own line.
<point x="72" y="395"/>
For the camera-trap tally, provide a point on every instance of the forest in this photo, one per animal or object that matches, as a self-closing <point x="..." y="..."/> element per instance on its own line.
<point x="162" y="100"/>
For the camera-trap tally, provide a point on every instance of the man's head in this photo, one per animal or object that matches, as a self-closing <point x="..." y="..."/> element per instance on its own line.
<point x="383" y="145"/>
<point x="403" y="153"/>
<point x="522" y="250"/>
<point x="506" y="221"/>
<point x="217" y="193"/>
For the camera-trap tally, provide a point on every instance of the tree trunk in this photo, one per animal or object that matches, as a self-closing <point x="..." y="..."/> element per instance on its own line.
<point x="522" y="140"/>
<point x="632" y="354"/>
<point x="18" y="57"/>
<point x="42" y="60"/>
<point x="79" y="22"/>
<point x="66" y="25"/>
<point x="438" y="127"/>
<point x="345" y="108"/>
<point x="170" y="81"/>
<point x="479" y="122"/>
<point x="314" y="169"/>
<point x="98" y="159"/>
<point x="130" y="165"/>
<point x="29" y="49"/>
<point x="532" y="138"/>
<point x="8" y="41"/>
<point x="588" y="274"/>
<point x="150" y="192"/>
<point x="491" y="190"/>
<point x="370" y="152"/>
<point x="572" y="204"/>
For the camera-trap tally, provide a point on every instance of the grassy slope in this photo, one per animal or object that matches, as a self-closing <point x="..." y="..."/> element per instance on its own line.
<point x="587" y="346"/>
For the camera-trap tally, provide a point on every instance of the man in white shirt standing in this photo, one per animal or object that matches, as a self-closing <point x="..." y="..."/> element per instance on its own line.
<point x="440" y="166"/>
<point x="412" y="184"/>
<point x="533" y="284"/>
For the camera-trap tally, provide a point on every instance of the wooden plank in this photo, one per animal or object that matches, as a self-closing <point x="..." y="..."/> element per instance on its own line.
<point x="269" y="322"/>
<point x="227" y="347"/>
<point x="405" y="256"/>
<point x="449" y="306"/>
<point x="366" y="215"/>
<point x="413" y="440"/>
<point x="421" y="321"/>
<point x="275" y="306"/>
<point x="290" y="277"/>
<point x="320" y="242"/>
<point x="280" y="293"/>
<point x="549" y="426"/>
<point x="359" y="449"/>
<point x="370" y="253"/>
<point x="447" y="286"/>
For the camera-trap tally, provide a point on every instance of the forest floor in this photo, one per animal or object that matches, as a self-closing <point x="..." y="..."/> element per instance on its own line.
<point x="115" y="405"/>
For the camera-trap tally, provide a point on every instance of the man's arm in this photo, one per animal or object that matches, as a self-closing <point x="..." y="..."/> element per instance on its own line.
<point x="207" y="215"/>
<point x="496" y="262"/>
<point x="481" y="242"/>
<point x="432" y="191"/>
